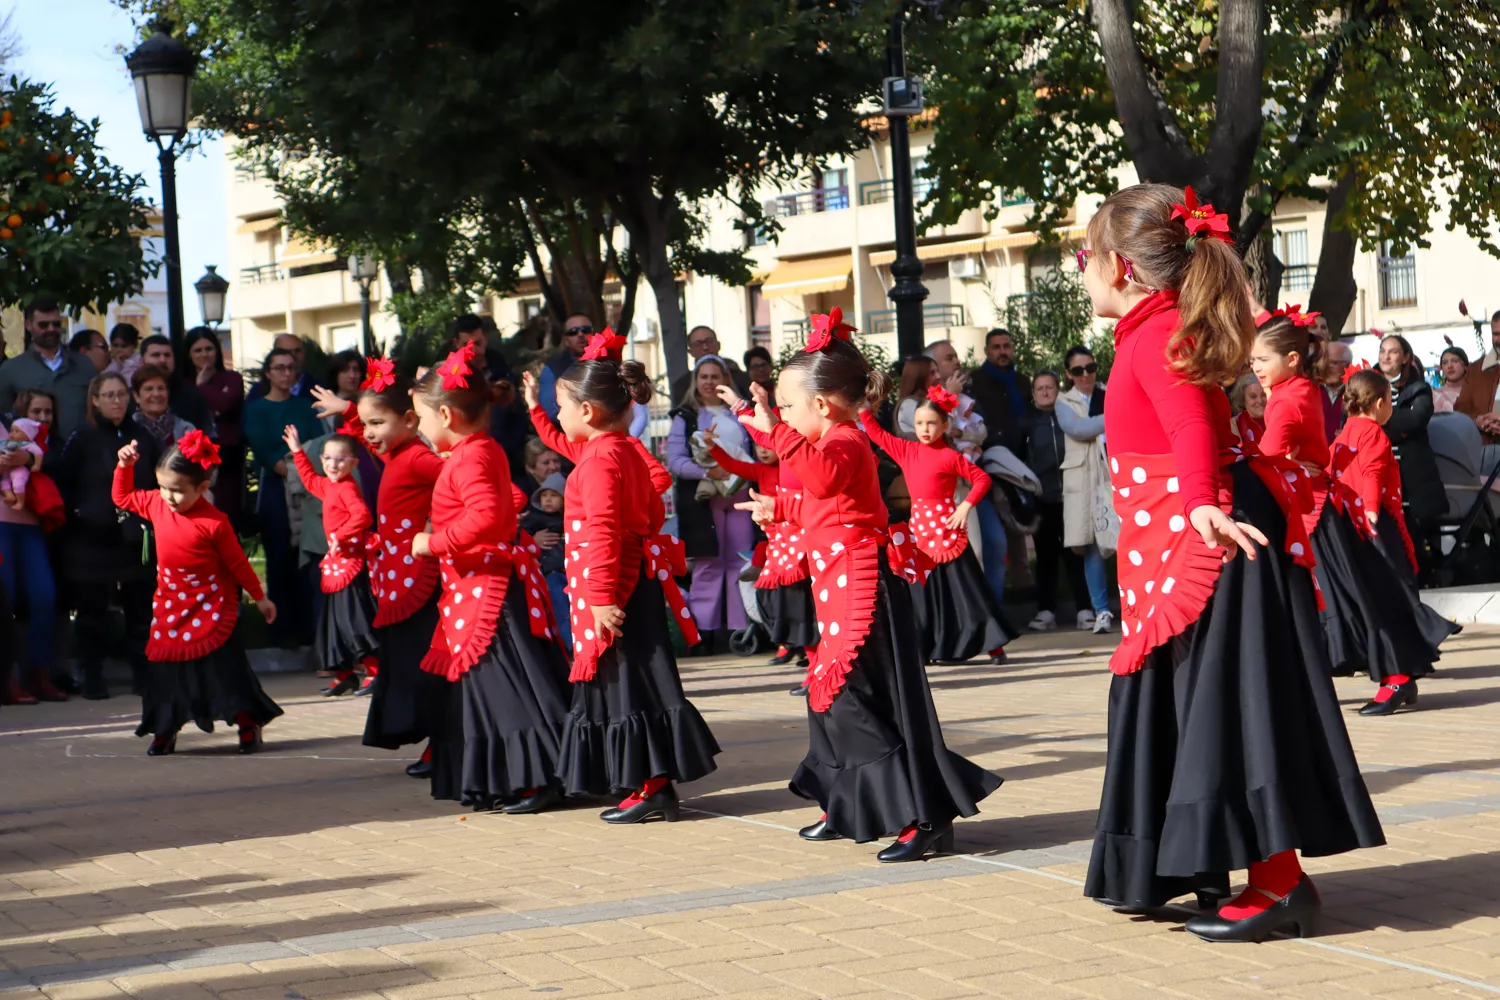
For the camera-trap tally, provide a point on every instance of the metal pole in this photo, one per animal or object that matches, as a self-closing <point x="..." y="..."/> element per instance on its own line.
<point x="364" y="318"/>
<point x="907" y="290"/>
<point x="175" y="326"/>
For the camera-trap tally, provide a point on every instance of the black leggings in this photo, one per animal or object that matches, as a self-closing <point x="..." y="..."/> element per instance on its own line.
<point x="1049" y="550"/>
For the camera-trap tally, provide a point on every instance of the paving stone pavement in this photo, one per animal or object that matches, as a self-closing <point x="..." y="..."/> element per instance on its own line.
<point x="318" y="870"/>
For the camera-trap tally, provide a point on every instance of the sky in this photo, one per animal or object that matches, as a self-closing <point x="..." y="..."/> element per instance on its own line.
<point x="71" y="45"/>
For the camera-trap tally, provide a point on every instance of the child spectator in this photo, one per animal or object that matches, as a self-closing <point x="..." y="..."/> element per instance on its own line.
<point x="545" y="513"/>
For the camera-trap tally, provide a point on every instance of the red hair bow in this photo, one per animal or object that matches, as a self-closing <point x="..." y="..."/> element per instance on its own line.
<point x="604" y="345"/>
<point x="196" y="447"/>
<point x="1297" y="316"/>
<point x="380" y="374"/>
<point x="455" y="370"/>
<point x="826" y="329"/>
<point x="945" y="400"/>
<point x="1201" y="219"/>
<point x="1349" y="372"/>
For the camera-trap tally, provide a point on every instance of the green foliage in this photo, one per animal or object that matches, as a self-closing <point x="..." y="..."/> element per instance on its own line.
<point x="67" y="215"/>
<point x="1054" y="316"/>
<point x="426" y="319"/>
<point x="873" y="350"/>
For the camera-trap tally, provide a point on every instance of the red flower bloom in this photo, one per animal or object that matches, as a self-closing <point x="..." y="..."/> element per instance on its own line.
<point x="1296" y="315"/>
<point x="1363" y="366"/>
<point x="826" y="329"/>
<point x="945" y="400"/>
<point x="605" y="344"/>
<point x="196" y="447"/>
<point x="380" y="373"/>
<point x="1201" y="219"/>
<point x="455" y="370"/>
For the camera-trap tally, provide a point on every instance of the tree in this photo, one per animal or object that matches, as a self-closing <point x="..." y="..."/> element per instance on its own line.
<point x="1373" y="106"/>
<point x="68" y="217"/>
<point x="1054" y="316"/>
<point x="10" y="43"/>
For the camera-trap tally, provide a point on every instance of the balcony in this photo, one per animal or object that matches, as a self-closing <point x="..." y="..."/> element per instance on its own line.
<point x="1010" y="198"/>
<point x="1298" y="277"/>
<point x="795" y="330"/>
<point x="880" y="192"/>
<point x="808" y="202"/>
<point x="1398" y="282"/>
<point x="935" y="316"/>
<point x="261" y="273"/>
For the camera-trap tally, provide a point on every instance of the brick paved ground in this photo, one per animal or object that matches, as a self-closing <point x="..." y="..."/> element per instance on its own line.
<point x="317" y="870"/>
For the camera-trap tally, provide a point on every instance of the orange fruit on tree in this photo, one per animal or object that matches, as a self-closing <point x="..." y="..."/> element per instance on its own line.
<point x="14" y="220"/>
<point x="6" y="234"/>
<point x="50" y="178"/>
<point x="53" y="157"/>
<point x="64" y="177"/>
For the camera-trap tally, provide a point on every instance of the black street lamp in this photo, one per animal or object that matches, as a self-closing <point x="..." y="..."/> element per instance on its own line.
<point x="903" y="98"/>
<point x="211" y="289"/>
<point x="162" y="68"/>
<point x="365" y="269"/>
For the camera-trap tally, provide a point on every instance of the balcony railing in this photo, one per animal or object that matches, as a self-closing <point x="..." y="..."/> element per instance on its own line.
<point x="328" y="265"/>
<point x="1298" y="277"/>
<point x="880" y="192"/>
<point x="1398" y="282"/>
<point x="808" y="202"/>
<point x="795" y="329"/>
<point x="261" y="274"/>
<point x="1010" y="198"/>
<point x="935" y="315"/>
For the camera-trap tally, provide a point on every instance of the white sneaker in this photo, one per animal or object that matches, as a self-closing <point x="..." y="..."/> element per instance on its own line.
<point x="1104" y="623"/>
<point x="1045" y="621"/>
<point x="1085" y="621"/>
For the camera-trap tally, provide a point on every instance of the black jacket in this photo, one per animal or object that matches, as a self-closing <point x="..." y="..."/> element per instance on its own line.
<point x="992" y="398"/>
<point x="187" y="402"/>
<point x="1421" y="486"/>
<point x="1045" y="445"/>
<point x="534" y="519"/>
<point x="99" y="542"/>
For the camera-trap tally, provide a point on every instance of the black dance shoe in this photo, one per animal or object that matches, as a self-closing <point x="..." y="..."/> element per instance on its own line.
<point x="1401" y="696"/>
<point x="250" y="740"/>
<point x="1297" y="913"/>
<point x="663" y="804"/>
<point x="820" y="831"/>
<point x="161" y="747"/>
<point x="800" y="691"/>
<point x="927" y="838"/>
<point x="341" y="687"/>
<point x="366" y="689"/>
<point x="94" y="688"/>
<point x="419" y="769"/>
<point x="537" y="801"/>
<point x="784" y="655"/>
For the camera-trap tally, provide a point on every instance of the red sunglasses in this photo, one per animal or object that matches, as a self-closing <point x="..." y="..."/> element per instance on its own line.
<point x="1082" y="256"/>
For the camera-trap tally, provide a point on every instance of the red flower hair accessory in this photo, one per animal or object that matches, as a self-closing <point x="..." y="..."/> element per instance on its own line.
<point x="604" y="345"/>
<point x="826" y="329"/>
<point x="945" y="400"/>
<point x="380" y="374"/>
<point x="196" y="447"/>
<point x="1349" y="372"/>
<point x="1201" y="219"/>
<point x="455" y="370"/>
<point x="1296" y="315"/>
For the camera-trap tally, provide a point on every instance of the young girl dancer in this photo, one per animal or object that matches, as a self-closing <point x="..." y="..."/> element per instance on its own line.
<point x="1368" y="625"/>
<point x="1363" y="465"/>
<point x="494" y="632"/>
<point x="955" y="607"/>
<point x="630" y="727"/>
<point x="408" y="704"/>
<point x="876" y="762"/>
<point x="346" y="630"/>
<point x="199" y="672"/>
<point x="1227" y="748"/>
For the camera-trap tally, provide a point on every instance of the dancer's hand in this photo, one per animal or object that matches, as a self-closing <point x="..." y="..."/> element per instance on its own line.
<point x="1217" y="529"/>
<point x="292" y="438"/>
<point x="761" y="507"/>
<point x="1373" y="516"/>
<point x="421" y="544"/>
<point x="531" y="390"/>
<point x="764" y="420"/>
<point x="608" y="618"/>
<point x="960" y="516"/>
<point x="327" y="403"/>
<point x="267" y="610"/>
<point x="129" y="454"/>
<point x="729" y="395"/>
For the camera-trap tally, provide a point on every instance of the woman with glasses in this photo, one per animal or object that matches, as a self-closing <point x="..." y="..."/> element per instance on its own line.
<point x="101" y="556"/>
<point x="1089" y="526"/>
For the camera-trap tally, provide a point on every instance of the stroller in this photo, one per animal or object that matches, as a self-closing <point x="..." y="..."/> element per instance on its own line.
<point x="755" y="636"/>
<point x="1468" y="556"/>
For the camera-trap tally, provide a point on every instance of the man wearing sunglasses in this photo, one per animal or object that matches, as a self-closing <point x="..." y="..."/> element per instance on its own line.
<point x="703" y="341"/>
<point x="47" y="364"/>
<point x="576" y="332"/>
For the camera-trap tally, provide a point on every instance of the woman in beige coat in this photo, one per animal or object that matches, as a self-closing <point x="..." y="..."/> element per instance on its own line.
<point x="1090" y="525"/>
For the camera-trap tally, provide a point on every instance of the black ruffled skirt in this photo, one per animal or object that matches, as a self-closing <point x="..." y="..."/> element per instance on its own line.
<point x="346" y="629"/>
<point x="1369" y="623"/>
<point x="1392" y="548"/>
<point x="957" y="612"/>
<point x="876" y="761"/>
<point x="632" y="721"/>
<point x="403" y="695"/>
<point x="445" y="734"/>
<point x="789" y="614"/>
<point x="1244" y="701"/>
<point x="219" y="686"/>
<point x="514" y="702"/>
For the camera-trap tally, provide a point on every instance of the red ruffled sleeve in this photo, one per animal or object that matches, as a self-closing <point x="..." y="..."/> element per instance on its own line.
<point x="899" y="448"/>
<point x="821" y="471"/>
<point x="126" y="497"/>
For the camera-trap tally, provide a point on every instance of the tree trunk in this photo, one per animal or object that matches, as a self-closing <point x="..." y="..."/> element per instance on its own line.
<point x="1334" y="291"/>
<point x="647" y="218"/>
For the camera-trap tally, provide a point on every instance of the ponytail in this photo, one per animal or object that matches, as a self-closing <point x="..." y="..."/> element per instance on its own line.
<point x="608" y="384"/>
<point x="1213" y="343"/>
<point x="878" y="386"/>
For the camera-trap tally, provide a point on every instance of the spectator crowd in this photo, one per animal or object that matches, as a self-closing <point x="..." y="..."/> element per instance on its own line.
<point x="68" y="554"/>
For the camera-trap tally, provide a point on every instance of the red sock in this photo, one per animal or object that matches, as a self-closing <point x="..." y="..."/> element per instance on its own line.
<point x="342" y="676"/>
<point x="244" y="720"/>
<point x="1278" y="874"/>
<point x="371" y="665"/>
<point x="652" y="786"/>
<point x="632" y="799"/>
<point x="907" y="833"/>
<point x="1388" y="687"/>
<point x="782" y="651"/>
<point x="427" y="754"/>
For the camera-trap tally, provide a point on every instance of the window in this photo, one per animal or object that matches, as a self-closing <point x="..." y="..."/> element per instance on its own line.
<point x="530" y="310"/>
<point x="760" y="318"/>
<point x="344" y="337"/>
<point x="1041" y="264"/>
<point x="833" y="189"/>
<point x="1297" y="271"/>
<point x="1398" y="279"/>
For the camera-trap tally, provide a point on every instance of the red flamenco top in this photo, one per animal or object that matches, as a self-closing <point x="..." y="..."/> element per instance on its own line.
<point x="844" y="521"/>
<point x="1169" y="440"/>
<point x="785" y="560"/>
<point x="200" y="569"/>
<point x="1364" y="465"/>
<point x="932" y="473"/>
<point x="346" y="522"/>
<point x="553" y="438"/>
<point x="402" y="582"/>
<point x="473" y="537"/>
<point x="612" y="536"/>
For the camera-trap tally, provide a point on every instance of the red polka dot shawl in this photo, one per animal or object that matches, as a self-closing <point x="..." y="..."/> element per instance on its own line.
<point x="200" y="569"/>
<point x="346" y="523"/>
<point x="401" y="582"/>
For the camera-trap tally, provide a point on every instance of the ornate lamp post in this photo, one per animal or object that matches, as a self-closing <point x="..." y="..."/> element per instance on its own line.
<point x="162" y="69"/>
<point x="211" y="289"/>
<point x="903" y="99"/>
<point x="365" y="269"/>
